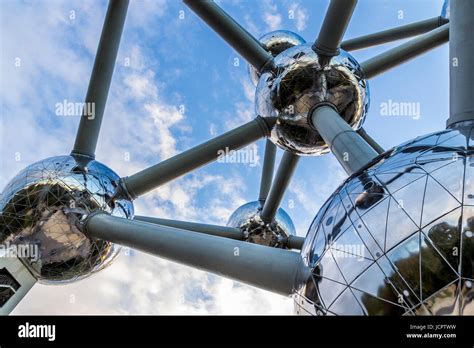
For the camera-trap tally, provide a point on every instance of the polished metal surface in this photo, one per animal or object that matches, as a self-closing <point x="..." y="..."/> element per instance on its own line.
<point x="247" y="218"/>
<point x="276" y="42"/>
<point x="398" y="237"/>
<point x="43" y="207"/>
<point x="303" y="80"/>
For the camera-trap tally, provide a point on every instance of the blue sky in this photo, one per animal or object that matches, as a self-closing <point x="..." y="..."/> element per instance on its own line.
<point x="167" y="64"/>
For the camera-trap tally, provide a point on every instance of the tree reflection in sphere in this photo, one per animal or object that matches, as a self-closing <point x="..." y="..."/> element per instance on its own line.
<point x="44" y="206"/>
<point x="247" y="218"/>
<point x="276" y="42"/>
<point x="303" y="80"/>
<point x="398" y="237"/>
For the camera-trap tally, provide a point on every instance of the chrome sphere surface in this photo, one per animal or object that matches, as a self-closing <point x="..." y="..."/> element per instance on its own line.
<point x="398" y="237"/>
<point x="303" y="80"/>
<point x="42" y="207"/>
<point x="247" y="218"/>
<point x="276" y="42"/>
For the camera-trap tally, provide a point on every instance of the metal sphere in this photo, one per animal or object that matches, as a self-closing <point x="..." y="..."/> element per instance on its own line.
<point x="398" y="237"/>
<point x="276" y="42"/>
<point x="43" y="206"/>
<point x="247" y="218"/>
<point x="445" y="10"/>
<point x="303" y="80"/>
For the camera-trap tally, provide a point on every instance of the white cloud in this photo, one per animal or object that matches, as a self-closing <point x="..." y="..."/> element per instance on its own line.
<point x="141" y="86"/>
<point x="165" y="117"/>
<point x="273" y="21"/>
<point x="271" y="16"/>
<point x="300" y="16"/>
<point x="142" y="284"/>
<point x="212" y="129"/>
<point x="243" y="112"/>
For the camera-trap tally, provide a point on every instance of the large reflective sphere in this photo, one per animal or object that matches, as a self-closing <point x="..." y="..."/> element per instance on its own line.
<point x="398" y="238"/>
<point x="42" y="207"/>
<point x="276" y="42"/>
<point x="303" y="80"/>
<point x="247" y="218"/>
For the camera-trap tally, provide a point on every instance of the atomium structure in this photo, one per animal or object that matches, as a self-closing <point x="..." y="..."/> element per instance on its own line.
<point x="396" y="237"/>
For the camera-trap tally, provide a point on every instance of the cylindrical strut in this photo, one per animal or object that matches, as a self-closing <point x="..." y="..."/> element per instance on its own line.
<point x="350" y="149"/>
<point x="99" y="84"/>
<point x="283" y="176"/>
<point x="406" y="51"/>
<point x="334" y="26"/>
<point x="174" y="167"/>
<point x="379" y="149"/>
<point x="221" y="231"/>
<point x="461" y="67"/>
<point x="267" y="170"/>
<point x="235" y="35"/>
<point x="268" y="268"/>
<point x="393" y="34"/>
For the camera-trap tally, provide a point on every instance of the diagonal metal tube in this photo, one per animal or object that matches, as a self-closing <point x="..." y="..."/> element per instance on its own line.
<point x="174" y="167"/>
<point x="295" y="242"/>
<point x="292" y="242"/>
<point x="98" y="90"/>
<point x="221" y="231"/>
<point x="389" y="35"/>
<point x="234" y="34"/>
<point x="267" y="170"/>
<point x="349" y="148"/>
<point x="379" y="149"/>
<point x="405" y="52"/>
<point x="334" y="26"/>
<point x="268" y="268"/>
<point x="282" y="179"/>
